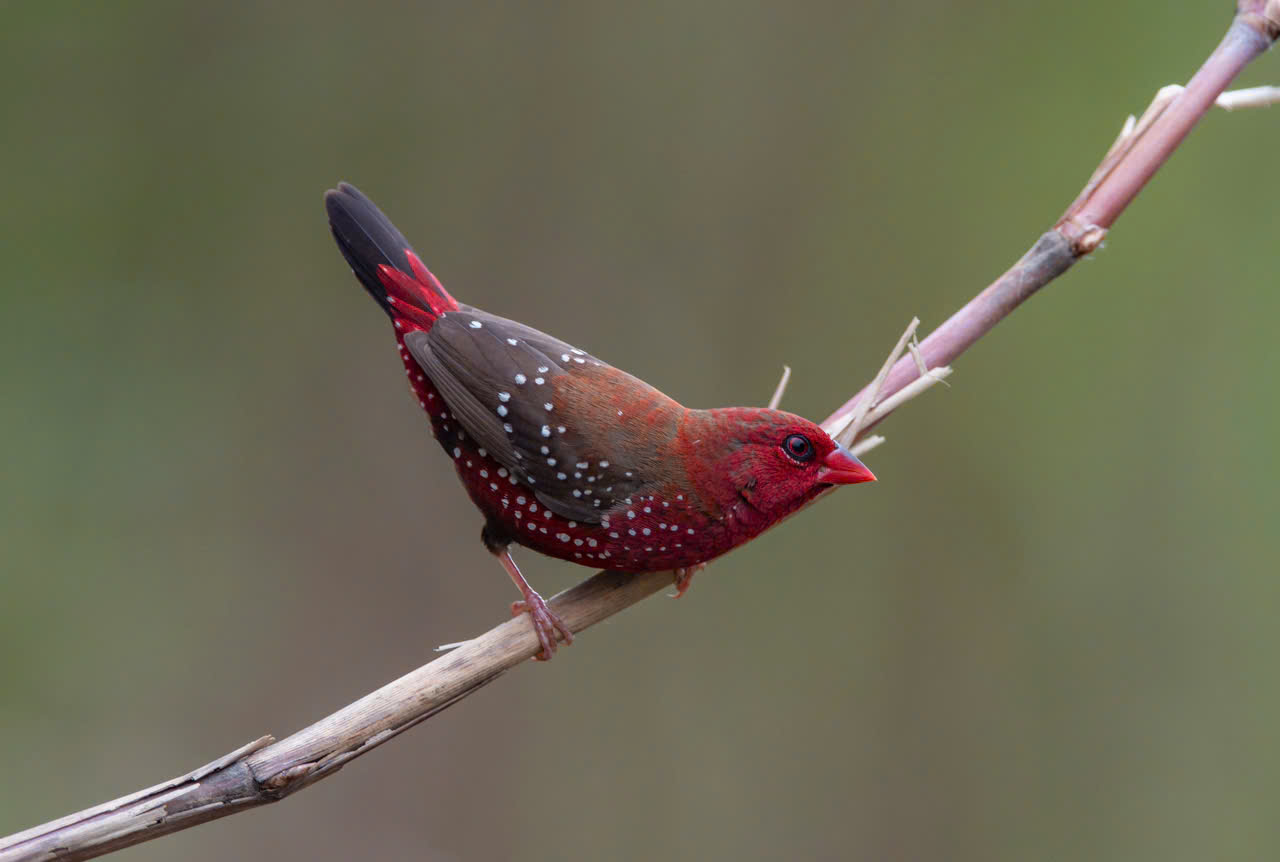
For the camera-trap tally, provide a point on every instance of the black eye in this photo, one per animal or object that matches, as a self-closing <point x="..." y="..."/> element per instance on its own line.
<point x="798" y="447"/>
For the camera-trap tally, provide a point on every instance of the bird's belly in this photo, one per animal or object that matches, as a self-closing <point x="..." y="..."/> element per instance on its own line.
<point x="649" y="534"/>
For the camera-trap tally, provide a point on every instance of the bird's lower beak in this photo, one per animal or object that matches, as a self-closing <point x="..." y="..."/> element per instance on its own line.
<point x="842" y="468"/>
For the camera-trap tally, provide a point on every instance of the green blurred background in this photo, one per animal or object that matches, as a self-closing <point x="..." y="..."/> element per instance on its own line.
<point x="1048" y="632"/>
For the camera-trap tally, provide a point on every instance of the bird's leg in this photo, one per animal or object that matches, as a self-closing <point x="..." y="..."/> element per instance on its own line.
<point x="684" y="577"/>
<point x="546" y="624"/>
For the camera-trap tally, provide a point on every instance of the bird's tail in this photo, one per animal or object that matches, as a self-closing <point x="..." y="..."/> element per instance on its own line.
<point x="383" y="260"/>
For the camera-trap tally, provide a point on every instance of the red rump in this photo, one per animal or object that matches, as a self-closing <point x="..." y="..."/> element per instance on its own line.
<point x="420" y="298"/>
<point x="569" y="456"/>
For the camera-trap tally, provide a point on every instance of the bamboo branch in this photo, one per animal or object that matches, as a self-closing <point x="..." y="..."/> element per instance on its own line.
<point x="266" y="770"/>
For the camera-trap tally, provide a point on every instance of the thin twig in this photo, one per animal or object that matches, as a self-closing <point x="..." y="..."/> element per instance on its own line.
<point x="866" y="444"/>
<point x="1252" y="97"/>
<point x="848" y="432"/>
<point x="782" y="387"/>
<point x="265" y="771"/>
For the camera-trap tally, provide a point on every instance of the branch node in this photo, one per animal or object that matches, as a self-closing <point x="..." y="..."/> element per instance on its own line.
<point x="1088" y="242"/>
<point x="279" y="783"/>
<point x="1262" y="16"/>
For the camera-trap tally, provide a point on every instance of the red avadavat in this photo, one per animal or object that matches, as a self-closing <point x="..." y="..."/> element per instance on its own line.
<point x="569" y="456"/>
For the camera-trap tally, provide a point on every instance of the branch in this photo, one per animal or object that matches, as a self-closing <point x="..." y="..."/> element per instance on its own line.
<point x="266" y="770"/>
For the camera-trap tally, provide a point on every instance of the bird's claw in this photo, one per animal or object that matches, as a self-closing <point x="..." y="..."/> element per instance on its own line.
<point x="684" y="578"/>
<point x="546" y="625"/>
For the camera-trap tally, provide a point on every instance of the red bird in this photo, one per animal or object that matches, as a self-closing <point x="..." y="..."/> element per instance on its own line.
<point x="569" y="456"/>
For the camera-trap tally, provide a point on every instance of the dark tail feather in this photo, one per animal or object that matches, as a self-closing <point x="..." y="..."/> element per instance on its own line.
<point x="368" y="240"/>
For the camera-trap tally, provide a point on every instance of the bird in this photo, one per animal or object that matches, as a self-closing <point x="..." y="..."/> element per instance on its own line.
<point x="568" y="456"/>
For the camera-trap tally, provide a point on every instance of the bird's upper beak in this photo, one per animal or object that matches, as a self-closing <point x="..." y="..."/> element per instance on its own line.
<point x="841" y="468"/>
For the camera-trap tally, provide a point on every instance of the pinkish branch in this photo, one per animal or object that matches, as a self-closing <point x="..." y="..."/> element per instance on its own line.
<point x="1124" y="171"/>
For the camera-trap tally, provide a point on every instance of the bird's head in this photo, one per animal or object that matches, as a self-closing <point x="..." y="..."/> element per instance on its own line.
<point x="766" y="463"/>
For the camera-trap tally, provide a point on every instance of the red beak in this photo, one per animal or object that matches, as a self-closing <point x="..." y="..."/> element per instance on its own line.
<point x="841" y="468"/>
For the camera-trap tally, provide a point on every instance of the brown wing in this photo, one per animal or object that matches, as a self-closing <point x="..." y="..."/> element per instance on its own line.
<point x="505" y="383"/>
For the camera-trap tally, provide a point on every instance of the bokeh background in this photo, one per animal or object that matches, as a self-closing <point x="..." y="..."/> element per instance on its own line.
<point x="1049" y="632"/>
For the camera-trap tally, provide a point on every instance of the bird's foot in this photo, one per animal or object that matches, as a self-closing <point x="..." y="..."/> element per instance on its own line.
<point x="545" y="624"/>
<point x="684" y="578"/>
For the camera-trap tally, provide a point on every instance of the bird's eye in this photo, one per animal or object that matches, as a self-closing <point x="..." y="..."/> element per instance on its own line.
<point x="798" y="447"/>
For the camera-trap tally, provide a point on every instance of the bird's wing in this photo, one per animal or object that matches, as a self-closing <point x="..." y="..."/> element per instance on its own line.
<point x="505" y="383"/>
